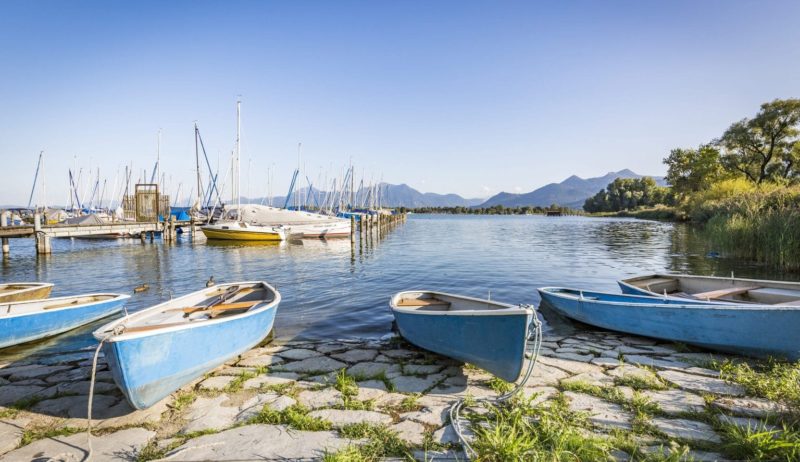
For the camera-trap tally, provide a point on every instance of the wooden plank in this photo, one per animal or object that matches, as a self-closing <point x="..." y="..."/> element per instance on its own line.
<point x="220" y="307"/>
<point x="422" y="302"/>
<point x="151" y="327"/>
<point x="712" y="294"/>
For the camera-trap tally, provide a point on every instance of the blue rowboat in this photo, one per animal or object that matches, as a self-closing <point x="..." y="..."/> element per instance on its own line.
<point x="754" y="330"/>
<point x="22" y="322"/>
<point x="153" y="352"/>
<point x="485" y="333"/>
<point x="714" y="289"/>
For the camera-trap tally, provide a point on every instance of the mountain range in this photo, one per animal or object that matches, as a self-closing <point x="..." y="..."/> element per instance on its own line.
<point x="571" y="192"/>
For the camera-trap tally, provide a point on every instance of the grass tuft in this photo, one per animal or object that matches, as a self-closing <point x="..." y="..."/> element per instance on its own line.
<point x="760" y="443"/>
<point x="771" y="379"/>
<point x="381" y="442"/>
<point x="500" y="386"/>
<point x="294" y="416"/>
<point x="33" y="434"/>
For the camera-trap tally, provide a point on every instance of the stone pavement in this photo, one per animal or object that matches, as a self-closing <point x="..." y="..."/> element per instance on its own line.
<point x="293" y="402"/>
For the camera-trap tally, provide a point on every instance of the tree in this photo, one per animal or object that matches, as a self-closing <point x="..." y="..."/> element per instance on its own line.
<point x="692" y="170"/>
<point x="763" y="148"/>
<point x="628" y="194"/>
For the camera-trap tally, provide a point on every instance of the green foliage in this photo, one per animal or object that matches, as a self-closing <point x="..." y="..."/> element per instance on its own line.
<point x="520" y="431"/>
<point x="761" y="444"/>
<point x="692" y="170"/>
<point x="295" y="416"/>
<point x="33" y="434"/>
<point x="183" y="399"/>
<point x="381" y="443"/>
<point x="765" y="148"/>
<point x="628" y="194"/>
<point x="500" y="386"/>
<point x="772" y="379"/>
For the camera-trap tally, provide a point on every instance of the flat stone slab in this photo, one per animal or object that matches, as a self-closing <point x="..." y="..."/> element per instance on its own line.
<point x="627" y="370"/>
<point x="654" y="362"/>
<point x="119" y="415"/>
<point x="598" y="379"/>
<point x="319" y="364"/>
<point x="298" y="353"/>
<point x="369" y="370"/>
<point x="10" y="394"/>
<point x="339" y="418"/>
<point x="259" y="442"/>
<point x="328" y="397"/>
<point x="217" y="382"/>
<point x="268" y="381"/>
<point x="701" y="383"/>
<point x="355" y="355"/>
<point x="751" y="407"/>
<point x="747" y="423"/>
<point x="30" y="371"/>
<point x="446" y="435"/>
<point x="574" y="357"/>
<point x="82" y="388"/>
<point x="282" y="403"/>
<point x="410" y="431"/>
<point x="686" y="429"/>
<point x="327" y="348"/>
<point x="120" y="446"/>
<point x="573" y="367"/>
<point x="601" y="412"/>
<point x="209" y="414"/>
<point x="676" y="401"/>
<point x="399" y="353"/>
<point x="546" y="375"/>
<point x="542" y="394"/>
<point x="604" y="361"/>
<point x="253" y="406"/>
<point x="11" y="434"/>
<point x="261" y="361"/>
<point x="435" y="416"/>
<point x="412" y="384"/>
<point x="370" y="390"/>
<point x="73" y="406"/>
<point x="422" y="369"/>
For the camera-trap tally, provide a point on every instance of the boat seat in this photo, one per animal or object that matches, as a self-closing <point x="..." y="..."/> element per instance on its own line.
<point x="221" y="307"/>
<point x="712" y="294"/>
<point x="423" y="302"/>
<point x="151" y="327"/>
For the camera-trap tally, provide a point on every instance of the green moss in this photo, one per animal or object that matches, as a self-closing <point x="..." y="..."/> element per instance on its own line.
<point x="37" y="433"/>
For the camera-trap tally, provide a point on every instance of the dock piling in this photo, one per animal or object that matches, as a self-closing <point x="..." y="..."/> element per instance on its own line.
<point x="3" y="223"/>
<point x="42" y="239"/>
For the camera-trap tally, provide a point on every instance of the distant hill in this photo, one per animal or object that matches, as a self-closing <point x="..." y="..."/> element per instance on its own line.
<point x="393" y="195"/>
<point x="571" y="192"/>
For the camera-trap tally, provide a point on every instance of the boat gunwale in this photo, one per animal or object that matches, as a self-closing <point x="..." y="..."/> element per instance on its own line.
<point x="729" y="306"/>
<point x="629" y="283"/>
<point x="106" y="329"/>
<point x="114" y="297"/>
<point x="507" y="310"/>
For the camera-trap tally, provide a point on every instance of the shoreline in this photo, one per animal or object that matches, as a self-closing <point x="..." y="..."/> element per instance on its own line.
<point x="306" y="400"/>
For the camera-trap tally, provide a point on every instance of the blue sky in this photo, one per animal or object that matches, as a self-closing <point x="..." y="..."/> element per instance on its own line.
<point x="465" y="97"/>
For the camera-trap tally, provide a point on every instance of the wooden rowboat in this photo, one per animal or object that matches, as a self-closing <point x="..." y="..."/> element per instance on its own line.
<point x="21" y="291"/>
<point x="714" y="289"/>
<point x="153" y="352"/>
<point x="488" y="334"/>
<point x="753" y="330"/>
<point x="22" y="322"/>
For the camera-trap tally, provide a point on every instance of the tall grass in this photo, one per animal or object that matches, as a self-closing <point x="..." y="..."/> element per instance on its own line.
<point x="761" y="225"/>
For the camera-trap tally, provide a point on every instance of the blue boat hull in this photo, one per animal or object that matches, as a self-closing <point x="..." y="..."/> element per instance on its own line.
<point x="493" y="343"/>
<point x="749" y="330"/>
<point x="30" y="327"/>
<point x="149" y="368"/>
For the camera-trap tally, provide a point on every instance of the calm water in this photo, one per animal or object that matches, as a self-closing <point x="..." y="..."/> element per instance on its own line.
<point x="333" y="290"/>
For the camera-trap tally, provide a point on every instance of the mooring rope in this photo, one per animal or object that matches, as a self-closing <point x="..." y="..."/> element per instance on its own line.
<point x="455" y="410"/>
<point x="117" y="330"/>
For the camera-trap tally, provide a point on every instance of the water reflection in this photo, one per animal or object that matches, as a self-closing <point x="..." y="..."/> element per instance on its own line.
<point x="331" y="289"/>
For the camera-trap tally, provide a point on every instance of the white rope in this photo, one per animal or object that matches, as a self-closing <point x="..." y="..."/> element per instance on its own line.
<point x="536" y="327"/>
<point x="117" y="330"/>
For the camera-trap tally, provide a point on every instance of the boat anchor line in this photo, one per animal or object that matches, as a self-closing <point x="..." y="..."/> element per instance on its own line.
<point x="535" y="330"/>
<point x="117" y="331"/>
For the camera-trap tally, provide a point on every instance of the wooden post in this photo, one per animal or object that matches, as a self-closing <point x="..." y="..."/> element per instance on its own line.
<point x="352" y="229"/>
<point x="4" y="223"/>
<point x="42" y="239"/>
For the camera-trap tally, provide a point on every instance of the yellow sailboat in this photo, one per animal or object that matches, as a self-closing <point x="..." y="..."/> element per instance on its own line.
<point x="233" y="228"/>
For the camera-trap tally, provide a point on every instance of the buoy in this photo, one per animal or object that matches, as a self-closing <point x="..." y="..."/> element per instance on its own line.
<point x="141" y="288"/>
<point x="210" y="282"/>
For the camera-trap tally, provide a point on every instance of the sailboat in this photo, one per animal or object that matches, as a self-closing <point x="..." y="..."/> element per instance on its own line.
<point x="231" y="226"/>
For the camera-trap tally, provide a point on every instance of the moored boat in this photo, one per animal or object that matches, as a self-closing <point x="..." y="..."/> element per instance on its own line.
<point x="22" y="322"/>
<point x="296" y="223"/>
<point x="714" y="289"/>
<point x="153" y="352"/>
<point x="21" y="291"/>
<point x="755" y="330"/>
<point x="488" y="334"/>
<point x="240" y="231"/>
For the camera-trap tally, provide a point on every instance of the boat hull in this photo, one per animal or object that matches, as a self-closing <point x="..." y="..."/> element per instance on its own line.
<point x="240" y="235"/>
<point x="149" y="368"/>
<point x="25" y="328"/>
<point x="750" y="330"/>
<point x="34" y="292"/>
<point x="494" y="342"/>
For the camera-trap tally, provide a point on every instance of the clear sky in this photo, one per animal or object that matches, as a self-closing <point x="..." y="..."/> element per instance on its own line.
<point x="471" y="97"/>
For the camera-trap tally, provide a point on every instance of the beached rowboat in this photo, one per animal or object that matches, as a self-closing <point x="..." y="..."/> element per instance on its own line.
<point x="22" y="322"/>
<point x="715" y="289"/>
<point x="156" y="351"/>
<point x="488" y="334"/>
<point x="21" y="291"/>
<point x="754" y="330"/>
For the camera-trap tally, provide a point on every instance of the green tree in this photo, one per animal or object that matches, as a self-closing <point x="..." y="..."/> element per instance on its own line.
<point x="763" y="148"/>
<point x="628" y="194"/>
<point x="692" y="170"/>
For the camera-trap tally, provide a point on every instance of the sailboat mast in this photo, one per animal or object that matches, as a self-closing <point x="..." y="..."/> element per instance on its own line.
<point x="197" y="163"/>
<point x="238" y="153"/>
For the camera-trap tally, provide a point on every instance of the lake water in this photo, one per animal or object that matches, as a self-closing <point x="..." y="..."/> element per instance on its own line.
<point x="332" y="290"/>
